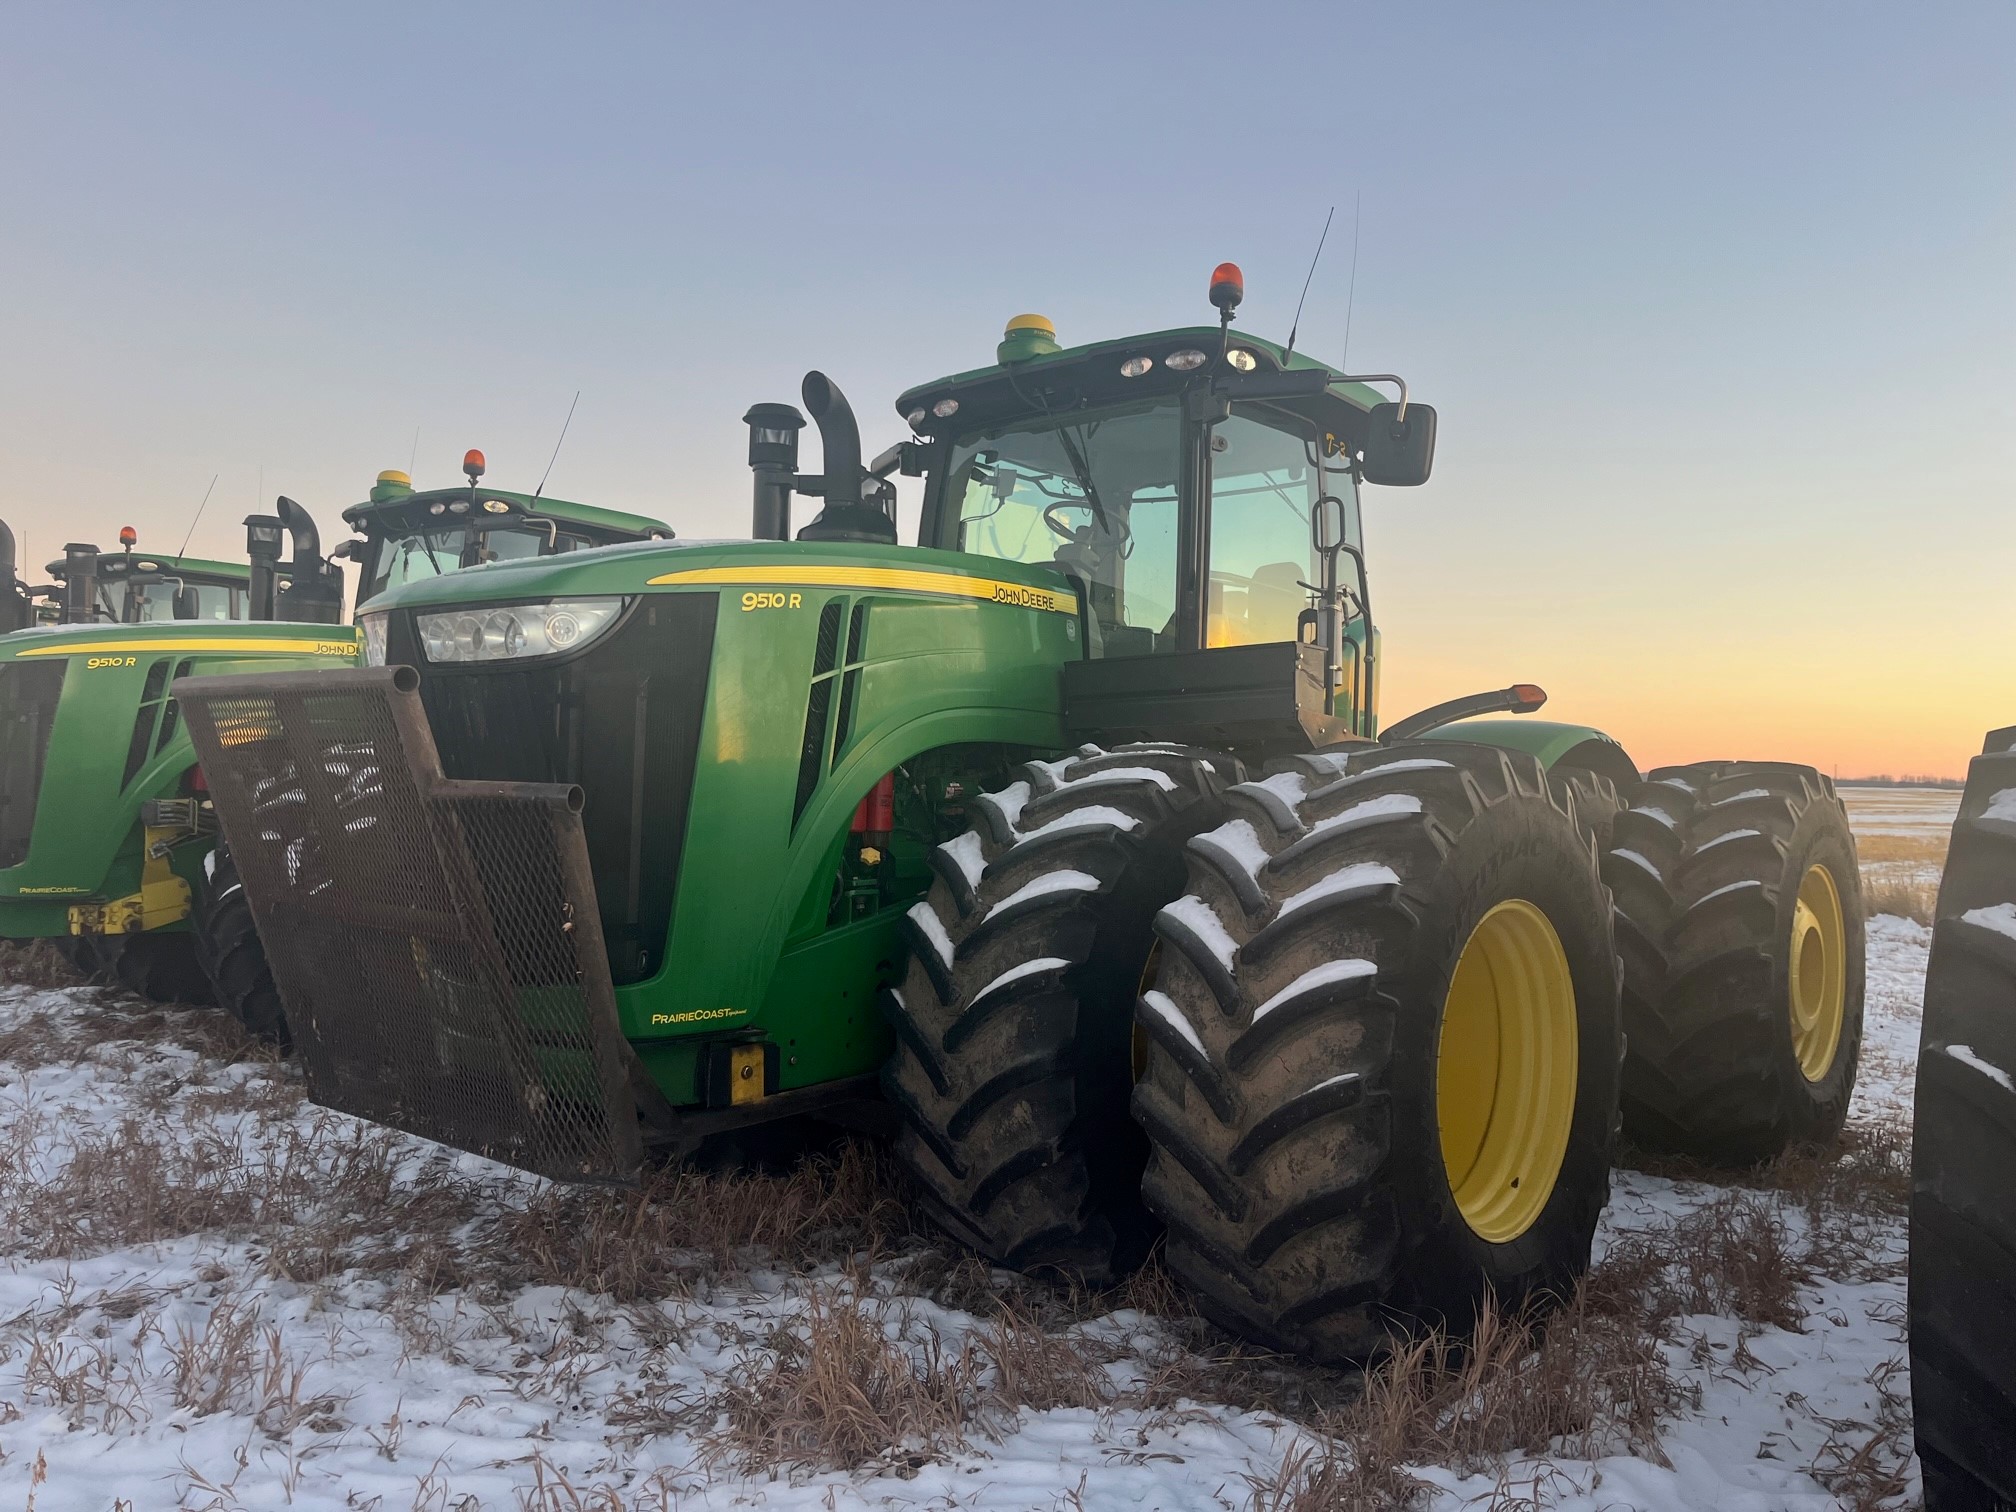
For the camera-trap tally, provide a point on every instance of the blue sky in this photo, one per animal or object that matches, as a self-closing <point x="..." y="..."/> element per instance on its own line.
<point x="1716" y="301"/>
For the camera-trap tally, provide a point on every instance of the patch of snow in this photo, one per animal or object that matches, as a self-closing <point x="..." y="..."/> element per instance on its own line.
<point x="967" y="852"/>
<point x="1372" y="808"/>
<point x="1331" y="1081"/>
<point x="1345" y="970"/>
<point x="1242" y="842"/>
<point x="1011" y="800"/>
<point x="1164" y="1008"/>
<point x="1049" y="882"/>
<point x="1287" y="786"/>
<point x="2002" y="806"/>
<point x="1195" y="912"/>
<point x="1677" y="782"/>
<point x="1631" y="855"/>
<point x="1966" y="1056"/>
<point x="1016" y="973"/>
<point x="1735" y="834"/>
<point x="1359" y="874"/>
<point x="1097" y="816"/>
<point x="1744" y="796"/>
<point x="1155" y="775"/>
<point x="2001" y="918"/>
<point x="1410" y="764"/>
<point x="1728" y="887"/>
<point x="925" y="919"/>
<point x="1664" y="818"/>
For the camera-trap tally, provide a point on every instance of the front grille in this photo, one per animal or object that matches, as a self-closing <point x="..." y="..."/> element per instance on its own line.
<point x="432" y="940"/>
<point x="28" y="695"/>
<point x="621" y="721"/>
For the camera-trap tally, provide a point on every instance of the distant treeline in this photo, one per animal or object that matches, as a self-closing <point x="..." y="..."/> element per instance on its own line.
<point x="1909" y="779"/>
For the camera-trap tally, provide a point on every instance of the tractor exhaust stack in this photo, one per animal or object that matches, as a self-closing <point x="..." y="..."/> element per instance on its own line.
<point x="773" y="458"/>
<point x="80" y="583"/>
<point x="845" y="517"/>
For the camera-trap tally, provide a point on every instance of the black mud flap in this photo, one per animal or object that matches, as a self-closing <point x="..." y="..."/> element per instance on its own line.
<point x="436" y="942"/>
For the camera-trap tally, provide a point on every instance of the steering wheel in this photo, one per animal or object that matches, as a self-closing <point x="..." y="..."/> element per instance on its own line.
<point x="1068" y="532"/>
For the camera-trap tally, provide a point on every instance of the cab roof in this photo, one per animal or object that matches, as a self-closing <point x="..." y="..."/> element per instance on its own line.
<point x="1082" y="377"/>
<point x="121" y="564"/>
<point x="608" y="521"/>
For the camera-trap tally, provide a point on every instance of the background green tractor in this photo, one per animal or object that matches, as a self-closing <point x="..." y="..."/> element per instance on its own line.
<point x="107" y="838"/>
<point x="1066" y="842"/>
<point x="1963" y="1150"/>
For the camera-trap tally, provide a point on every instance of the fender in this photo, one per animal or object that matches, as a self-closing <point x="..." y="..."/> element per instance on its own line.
<point x="1580" y="747"/>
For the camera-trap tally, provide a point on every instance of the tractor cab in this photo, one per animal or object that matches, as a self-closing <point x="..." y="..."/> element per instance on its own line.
<point x="140" y="588"/>
<point x="1199" y="490"/>
<point x="407" y="536"/>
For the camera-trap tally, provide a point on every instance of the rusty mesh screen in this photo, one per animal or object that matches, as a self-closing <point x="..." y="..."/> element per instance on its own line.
<point x="436" y="942"/>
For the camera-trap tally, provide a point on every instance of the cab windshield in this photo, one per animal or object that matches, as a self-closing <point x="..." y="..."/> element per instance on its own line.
<point x="1096" y="497"/>
<point x="147" y="600"/>
<point x="409" y="556"/>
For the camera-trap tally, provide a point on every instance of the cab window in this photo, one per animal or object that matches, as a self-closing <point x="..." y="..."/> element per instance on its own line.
<point x="1266" y="474"/>
<point x="1094" y="497"/>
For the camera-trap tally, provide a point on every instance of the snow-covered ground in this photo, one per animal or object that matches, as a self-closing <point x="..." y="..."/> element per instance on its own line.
<point x="199" y="1309"/>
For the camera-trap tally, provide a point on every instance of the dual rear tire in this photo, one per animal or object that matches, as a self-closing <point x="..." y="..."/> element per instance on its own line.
<point x="1380" y="1013"/>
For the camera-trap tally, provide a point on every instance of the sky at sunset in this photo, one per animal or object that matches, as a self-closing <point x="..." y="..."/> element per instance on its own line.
<point x="1717" y="302"/>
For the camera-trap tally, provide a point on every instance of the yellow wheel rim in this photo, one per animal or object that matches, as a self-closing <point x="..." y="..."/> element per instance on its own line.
<point x="1505" y="1071"/>
<point x="1819" y="985"/>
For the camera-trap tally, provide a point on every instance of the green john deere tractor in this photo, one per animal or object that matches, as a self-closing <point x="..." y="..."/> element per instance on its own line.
<point x="1066" y="842"/>
<point x="106" y="831"/>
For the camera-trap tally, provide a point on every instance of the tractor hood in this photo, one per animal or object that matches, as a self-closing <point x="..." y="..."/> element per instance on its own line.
<point x="750" y="567"/>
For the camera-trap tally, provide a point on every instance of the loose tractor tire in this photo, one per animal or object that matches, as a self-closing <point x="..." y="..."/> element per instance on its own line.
<point x="1963" y="1160"/>
<point x="1385" y="1041"/>
<point x="1014" y="1022"/>
<point x="1740" y="921"/>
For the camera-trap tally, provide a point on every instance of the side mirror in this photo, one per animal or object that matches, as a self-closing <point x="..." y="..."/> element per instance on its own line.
<point x="345" y="551"/>
<point x="1398" y="453"/>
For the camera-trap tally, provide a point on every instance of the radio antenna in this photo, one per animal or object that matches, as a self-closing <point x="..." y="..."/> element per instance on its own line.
<point x="1296" y="324"/>
<point x="1350" y="299"/>
<point x="199" y="515"/>
<point x="556" y="446"/>
<point x="413" y="460"/>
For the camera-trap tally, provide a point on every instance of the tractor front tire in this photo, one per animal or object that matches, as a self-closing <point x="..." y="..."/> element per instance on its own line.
<point x="233" y="955"/>
<point x="1740" y="920"/>
<point x="1382" y="1078"/>
<point x="1014" y="1021"/>
<point x="158" y="966"/>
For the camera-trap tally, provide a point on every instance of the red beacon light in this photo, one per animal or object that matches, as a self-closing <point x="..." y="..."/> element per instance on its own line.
<point x="1228" y="287"/>
<point x="128" y="537"/>
<point x="472" y="464"/>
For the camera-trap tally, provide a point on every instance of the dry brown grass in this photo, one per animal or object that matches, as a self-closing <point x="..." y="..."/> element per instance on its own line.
<point x="853" y="1383"/>
<point x="35" y="963"/>
<point x="1588" y="1381"/>
<point x="685" y="1226"/>
<point x="1904" y="850"/>
<point x="1905" y="897"/>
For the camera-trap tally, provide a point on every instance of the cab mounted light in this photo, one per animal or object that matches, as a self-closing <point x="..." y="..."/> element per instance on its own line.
<point x="1228" y="287"/>
<point x="1134" y="367"/>
<point x="128" y="537"/>
<point x="472" y="465"/>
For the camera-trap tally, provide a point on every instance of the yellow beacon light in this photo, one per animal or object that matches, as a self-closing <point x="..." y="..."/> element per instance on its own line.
<point x="393" y="475"/>
<point x="1027" y="336"/>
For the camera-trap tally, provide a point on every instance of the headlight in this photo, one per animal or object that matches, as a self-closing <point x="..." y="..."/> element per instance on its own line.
<point x="373" y="626"/>
<point x="513" y="631"/>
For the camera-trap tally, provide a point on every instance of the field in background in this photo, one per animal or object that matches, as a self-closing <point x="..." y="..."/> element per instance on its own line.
<point x="215" y="1296"/>
<point x="1901" y="835"/>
